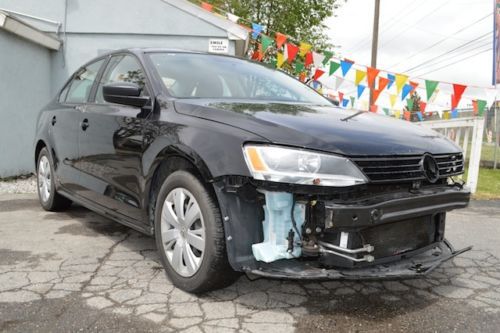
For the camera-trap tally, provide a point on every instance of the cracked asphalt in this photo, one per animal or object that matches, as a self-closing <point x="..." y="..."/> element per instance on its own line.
<point x="76" y="271"/>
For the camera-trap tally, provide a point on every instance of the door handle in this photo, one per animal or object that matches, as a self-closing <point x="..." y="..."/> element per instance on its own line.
<point x="85" y="124"/>
<point x="53" y="121"/>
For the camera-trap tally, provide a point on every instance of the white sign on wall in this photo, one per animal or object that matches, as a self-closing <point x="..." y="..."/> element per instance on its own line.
<point x="218" y="45"/>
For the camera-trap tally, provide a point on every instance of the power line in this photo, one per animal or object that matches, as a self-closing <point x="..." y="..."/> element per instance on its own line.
<point x="428" y="61"/>
<point x="442" y="40"/>
<point x="386" y="26"/>
<point x="456" y="56"/>
<point x="455" y="62"/>
<point x="418" y="21"/>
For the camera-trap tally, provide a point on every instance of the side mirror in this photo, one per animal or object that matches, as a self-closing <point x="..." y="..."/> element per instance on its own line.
<point x="125" y="93"/>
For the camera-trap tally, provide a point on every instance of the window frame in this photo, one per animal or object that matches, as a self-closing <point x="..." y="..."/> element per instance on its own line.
<point x="93" y="92"/>
<point x="70" y="81"/>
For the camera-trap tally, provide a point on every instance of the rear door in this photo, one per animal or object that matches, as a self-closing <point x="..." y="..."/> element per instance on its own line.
<point x="65" y="122"/>
<point x="111" y="145"/>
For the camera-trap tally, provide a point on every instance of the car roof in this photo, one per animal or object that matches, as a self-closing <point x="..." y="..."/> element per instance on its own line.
<point x="142" y="50"/>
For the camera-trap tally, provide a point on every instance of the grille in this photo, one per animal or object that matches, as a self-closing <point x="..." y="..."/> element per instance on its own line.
<point x="407" y="168"/>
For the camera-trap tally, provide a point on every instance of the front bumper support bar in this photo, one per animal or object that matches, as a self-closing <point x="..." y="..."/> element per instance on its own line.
<point x="408" y="267"/>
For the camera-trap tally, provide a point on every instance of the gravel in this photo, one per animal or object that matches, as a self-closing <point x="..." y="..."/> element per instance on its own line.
<point x="25" y="184"/>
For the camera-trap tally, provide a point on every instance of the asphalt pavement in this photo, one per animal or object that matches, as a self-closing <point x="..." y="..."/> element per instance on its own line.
<point x="78" y="272"/>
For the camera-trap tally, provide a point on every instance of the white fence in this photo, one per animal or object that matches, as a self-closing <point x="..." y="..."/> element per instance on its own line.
<point x="459" y="130"/>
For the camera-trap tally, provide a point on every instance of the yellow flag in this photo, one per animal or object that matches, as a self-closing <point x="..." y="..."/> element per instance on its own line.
<point x="397" y="114"/>
<point x="393" y="99"/>
<point x="360" y="75"/>
<point x="304" y="48"/>
<point x="280" y="59"/>
<point x="400" y="81"/>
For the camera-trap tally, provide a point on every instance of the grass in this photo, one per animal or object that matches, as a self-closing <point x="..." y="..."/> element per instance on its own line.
<point x="488" y="185"/>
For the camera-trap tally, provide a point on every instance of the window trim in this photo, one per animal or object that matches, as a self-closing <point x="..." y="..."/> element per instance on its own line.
<point x="70" y="81"/>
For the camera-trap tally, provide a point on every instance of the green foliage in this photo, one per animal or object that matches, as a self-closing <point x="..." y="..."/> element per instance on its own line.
<point x="301" y="19"/>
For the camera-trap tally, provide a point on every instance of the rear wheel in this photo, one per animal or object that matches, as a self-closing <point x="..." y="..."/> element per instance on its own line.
<point x="47" y="194"/>
<point x="190" y="235"/>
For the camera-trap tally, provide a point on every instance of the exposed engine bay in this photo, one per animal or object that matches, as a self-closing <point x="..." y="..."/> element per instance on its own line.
<point x="392" y="232"/>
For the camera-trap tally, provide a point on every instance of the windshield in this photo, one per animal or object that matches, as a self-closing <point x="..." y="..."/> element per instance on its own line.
<point x="187" y="75"/>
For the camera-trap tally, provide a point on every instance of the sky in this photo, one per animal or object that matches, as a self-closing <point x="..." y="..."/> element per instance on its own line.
<point x="421" y="33"/>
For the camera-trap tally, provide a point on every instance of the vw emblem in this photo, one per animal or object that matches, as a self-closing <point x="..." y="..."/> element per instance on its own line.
<point x="429" y="168"/>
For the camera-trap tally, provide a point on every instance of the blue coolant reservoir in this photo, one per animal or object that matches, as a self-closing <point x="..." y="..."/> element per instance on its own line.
<point x="277" y="224"/>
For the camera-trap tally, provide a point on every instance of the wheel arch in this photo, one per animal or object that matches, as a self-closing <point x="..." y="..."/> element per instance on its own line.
<point x="168" y="160"/>
<point x="38" y="148"/>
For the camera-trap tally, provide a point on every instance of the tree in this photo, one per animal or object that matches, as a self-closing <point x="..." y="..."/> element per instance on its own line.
<point x="301" y="19"/>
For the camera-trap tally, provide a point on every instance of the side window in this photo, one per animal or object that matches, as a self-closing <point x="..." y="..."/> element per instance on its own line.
<point x="80" y="86"/>
<point x="124" y="68"/>
<point x="64" y="93"/>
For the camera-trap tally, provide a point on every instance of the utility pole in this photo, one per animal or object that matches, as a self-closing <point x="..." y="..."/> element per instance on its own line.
<point x="376" y="19"/>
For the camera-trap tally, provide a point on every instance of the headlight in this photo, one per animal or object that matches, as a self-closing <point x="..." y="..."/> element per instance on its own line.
<point x="287" y="165"/>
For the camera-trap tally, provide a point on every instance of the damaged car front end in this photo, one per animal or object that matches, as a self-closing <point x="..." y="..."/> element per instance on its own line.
<point x="311" y="215"/>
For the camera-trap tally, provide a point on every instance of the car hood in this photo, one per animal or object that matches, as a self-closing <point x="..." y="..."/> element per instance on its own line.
<point x="321" y="127"/>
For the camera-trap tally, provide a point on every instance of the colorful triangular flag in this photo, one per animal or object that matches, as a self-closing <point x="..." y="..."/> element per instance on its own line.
<point x="280" y="39"/>
<point x="318" y="59"/>
<point x="458" y="90"/>
<point x="393" y="99"/>
<point x="346" y="66"/>
<point x="233" y="18"/>
<point x="291" y="52"/>
<point x="317" y="74"/>
<point x="328" y="55"/>
<point x="333" y="67"/>
<point x="256" y="30"/>
<point x="266" y="42"/>
<point x="338" y="82"/>
<point x="207" y="6"/>
<point x="481" y="106"/>
<point x="430" y="87"/>
<point x="304" y="48"/>
<point x="360" y="75"/>
<point x="308" y="59"/>
<point x="400" y="81"/>
<point x="406" y="90"/>
<point x="280" y="59"/>
<point x="391" y="79"/>
<point x="371" y="75"/>
<point x="361" y="89"/>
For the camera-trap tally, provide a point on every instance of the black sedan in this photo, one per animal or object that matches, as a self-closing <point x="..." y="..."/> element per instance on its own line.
<point x="236" y="167"/>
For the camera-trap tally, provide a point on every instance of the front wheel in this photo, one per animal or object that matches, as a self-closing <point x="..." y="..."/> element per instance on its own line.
<point x="190" y="235"/>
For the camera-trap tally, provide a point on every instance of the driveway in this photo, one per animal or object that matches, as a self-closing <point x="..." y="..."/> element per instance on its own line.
<point x="77" y="271"/>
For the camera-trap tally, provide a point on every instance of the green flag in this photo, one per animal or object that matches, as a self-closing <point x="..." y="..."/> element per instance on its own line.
<point x="481" y="105"/>
<point x="299" y="67"/>
<point x="430" y="87"/>
<point x="386" y="111"/>
<point x="409" y="104"/>
<point x="333" y="67"/>
<point x="352" y="100"/>
<point x="328" y="55"/>
<point x="266" y="42"/>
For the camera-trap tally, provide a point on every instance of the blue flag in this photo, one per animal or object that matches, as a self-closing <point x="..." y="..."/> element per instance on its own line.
<point x="345" y="102"/>
<point x="391" y="78"/>
<point x="256" y="30"/>
<point x="419" y="115"/>
<point x="406" y="90"/>
<point x="346" y="66"/>
<point x="454" y="113"/>
<point x="361" y="89"/>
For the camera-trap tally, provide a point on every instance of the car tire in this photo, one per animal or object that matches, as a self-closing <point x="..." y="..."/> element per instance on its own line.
<point x="49" y="199"/>
<point x="188" y="267"/>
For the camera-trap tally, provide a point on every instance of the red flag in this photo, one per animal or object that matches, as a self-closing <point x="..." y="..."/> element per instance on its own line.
<point x="422" y="106"/>
<point x="302" y="77"/>
<point x="280" y="40"/>
<point x="414" y="85"/>
<point x="308" y="59"/>
<point x="341" y="97"/>
<point x="458" y="90"/>
<point x="373" y="108"/>
<point x="382" y="83"/>
<point x="292" y="51"/>
<point x="207" y="6"/>
<point x="407" y="115"/>
<point x="317" y="74"/>
<point x="474" y="107"/>
<point x="257" y="54"/>
<point x="376" y="94"/>
<point x="371" y="74"/>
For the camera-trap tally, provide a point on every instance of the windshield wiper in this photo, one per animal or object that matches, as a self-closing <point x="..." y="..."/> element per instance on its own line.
<point x="352" y="116"/>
